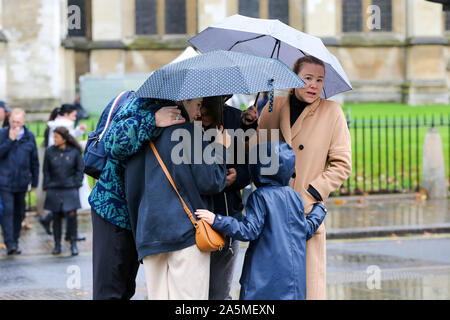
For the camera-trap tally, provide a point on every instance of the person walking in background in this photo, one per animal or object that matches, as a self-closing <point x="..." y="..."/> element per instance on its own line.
<point x="4" y="114"/>
<point x="317" y="131"/>
<point x="66" y="117"/>
<point x="63" y="176"/>
<point x="277" y="229"/>
<point x="19" y="167"/>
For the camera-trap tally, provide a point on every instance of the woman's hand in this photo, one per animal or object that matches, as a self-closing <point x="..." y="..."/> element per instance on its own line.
<point x="206" y="215"/>
<point x="168" y="116"/>
<point x="249" y="116"/>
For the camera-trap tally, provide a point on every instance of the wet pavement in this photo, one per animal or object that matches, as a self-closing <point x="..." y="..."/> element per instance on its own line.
<point x="355" y="217"/>
<point x="414" y="266"/>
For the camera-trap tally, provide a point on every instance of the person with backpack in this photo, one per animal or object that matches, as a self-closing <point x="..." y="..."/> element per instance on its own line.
<point x="63" y="176"/>
<point x="115" y="262"/>
<point x="277" y="228"/>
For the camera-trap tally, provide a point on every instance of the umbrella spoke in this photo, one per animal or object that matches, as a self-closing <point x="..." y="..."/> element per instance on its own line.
<point x="242" y="41"/>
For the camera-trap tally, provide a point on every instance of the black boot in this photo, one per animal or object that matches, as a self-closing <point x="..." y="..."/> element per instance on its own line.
<point x="57" y="226"/>
<point x="73" y="232"/>
<point x="57" y="249"/>
<point x="73" y="247"/>
<point x="45" y="222"/>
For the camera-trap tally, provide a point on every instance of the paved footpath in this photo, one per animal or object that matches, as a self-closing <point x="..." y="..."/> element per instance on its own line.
<point x="415" y="266"/>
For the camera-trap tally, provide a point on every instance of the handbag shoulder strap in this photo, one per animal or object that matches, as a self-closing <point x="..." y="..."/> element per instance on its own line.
<point x="163" y="166"/>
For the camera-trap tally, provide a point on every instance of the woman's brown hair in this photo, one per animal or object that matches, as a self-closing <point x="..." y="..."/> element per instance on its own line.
<point x="297" y="67"/>
<point x="214" y="108"/>
<point x="64" y="133"/>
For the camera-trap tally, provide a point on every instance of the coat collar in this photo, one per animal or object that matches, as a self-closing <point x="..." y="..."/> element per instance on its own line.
<point x="285" y="119"/>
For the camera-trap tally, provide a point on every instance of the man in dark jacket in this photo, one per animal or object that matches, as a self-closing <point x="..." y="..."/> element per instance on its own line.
<point x="19" y="166"/>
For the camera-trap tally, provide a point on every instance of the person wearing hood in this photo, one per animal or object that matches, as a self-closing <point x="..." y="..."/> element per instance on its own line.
<point x="277" y="228"/>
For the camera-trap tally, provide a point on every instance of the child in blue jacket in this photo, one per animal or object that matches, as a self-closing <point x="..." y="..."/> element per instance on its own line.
<point x="277" y="228"/>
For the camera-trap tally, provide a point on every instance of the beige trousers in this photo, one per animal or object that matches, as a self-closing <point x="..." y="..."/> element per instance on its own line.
<point x="316" y="264"/>
<point x="178" y="275"/>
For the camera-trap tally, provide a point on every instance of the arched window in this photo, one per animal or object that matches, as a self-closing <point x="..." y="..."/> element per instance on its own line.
<point x="279" y="9"/>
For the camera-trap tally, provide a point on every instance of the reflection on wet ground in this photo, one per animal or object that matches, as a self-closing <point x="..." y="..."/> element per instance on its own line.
<point x="379" y="213"/>
<point x="414" y="267"/>
<point x="401" y="268"/>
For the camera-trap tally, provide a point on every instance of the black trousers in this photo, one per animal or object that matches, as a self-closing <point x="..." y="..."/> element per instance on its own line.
<point x="115" y="261"/>
<point x="13" y="215"/>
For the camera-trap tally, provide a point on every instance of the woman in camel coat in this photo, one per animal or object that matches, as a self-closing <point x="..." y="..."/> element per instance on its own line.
<point x="317" y="131"/>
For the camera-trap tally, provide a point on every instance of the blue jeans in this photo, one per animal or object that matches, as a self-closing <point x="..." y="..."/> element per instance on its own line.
<point x="13" y="215"/>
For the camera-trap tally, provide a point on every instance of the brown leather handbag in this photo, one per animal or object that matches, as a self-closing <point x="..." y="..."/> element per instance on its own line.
<point x="207" y="238"/>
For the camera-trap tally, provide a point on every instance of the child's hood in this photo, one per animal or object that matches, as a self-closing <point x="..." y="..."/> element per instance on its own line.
<point x="278" y="164"/>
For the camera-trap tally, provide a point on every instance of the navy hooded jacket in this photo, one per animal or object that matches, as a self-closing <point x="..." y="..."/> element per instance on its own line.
<point x="158" y="220"/>
<point x="19" y="163"/>
<point x="276" y="226"/>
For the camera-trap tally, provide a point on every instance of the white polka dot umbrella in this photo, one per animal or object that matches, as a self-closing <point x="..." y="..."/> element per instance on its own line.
<point x="218" y="73"/>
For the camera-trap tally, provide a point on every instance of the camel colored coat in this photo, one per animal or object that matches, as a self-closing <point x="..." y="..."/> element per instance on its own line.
<point x="323" y="158"/>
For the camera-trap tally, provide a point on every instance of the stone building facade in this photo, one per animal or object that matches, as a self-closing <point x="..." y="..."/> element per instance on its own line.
<point x="392" y="50"/>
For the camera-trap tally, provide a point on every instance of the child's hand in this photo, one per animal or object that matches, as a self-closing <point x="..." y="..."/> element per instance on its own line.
<point x="206" y="215"/>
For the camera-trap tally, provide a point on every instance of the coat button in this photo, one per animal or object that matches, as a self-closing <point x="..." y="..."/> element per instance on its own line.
<point x="301" y="147"/>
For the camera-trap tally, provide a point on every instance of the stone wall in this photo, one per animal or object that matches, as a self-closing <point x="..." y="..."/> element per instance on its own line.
<point x="39" y="72"/>
<point x="40" y="66"/>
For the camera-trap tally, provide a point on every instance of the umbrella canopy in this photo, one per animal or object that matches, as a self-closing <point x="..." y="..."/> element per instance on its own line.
<point x="189" y="52"/>
<point x="218" y="73"/>
<point x="272" y="38"/>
